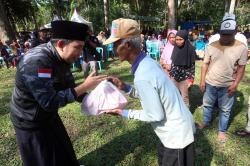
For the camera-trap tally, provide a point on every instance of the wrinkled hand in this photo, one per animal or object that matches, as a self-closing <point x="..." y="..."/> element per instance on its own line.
<point x="231" y="89"/>
<point x="164" y="66"/>
<point x="114" y="112"/>
<point x="168" y="67"/>
<point x="202" y="86"/>
<point x="92" y="80"/>
<point x="117" y="82"/>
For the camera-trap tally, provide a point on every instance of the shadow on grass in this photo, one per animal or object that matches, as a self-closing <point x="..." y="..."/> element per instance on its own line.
<point x="127" y="78"/>
<point x="203" y="149"/>
<point x="195" y="97"/>
<point x="9" y="151"/>
<point x="237" y="107"/>
<point x="214" y="153"/>
<point x="5" y="103"/>
<point x="110" y="62"/>
<point x="139" y="142"/>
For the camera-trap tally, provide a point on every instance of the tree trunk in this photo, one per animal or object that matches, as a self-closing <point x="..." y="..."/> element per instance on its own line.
<point x="138" y="10"/>
<point x="227" y="2"/>
<point x="171" y="14"/>
<point x="179" y="3"/>
<point x="34" y="20"/>
<point x="106" y="18"/>
<point x="13" y="25"/>
<point x="137" y="6"/>
<point x="232" y="5"/>
<point x="57" y="4"/>
<point x="6" y="31"/>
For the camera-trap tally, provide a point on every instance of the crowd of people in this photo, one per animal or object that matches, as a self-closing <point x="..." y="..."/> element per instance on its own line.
<point x="44" y="83"/>
<point x="11" y="52"/>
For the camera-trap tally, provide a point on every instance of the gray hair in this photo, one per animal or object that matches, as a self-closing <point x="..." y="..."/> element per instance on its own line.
<point x="136" y="42"/>
<point x="66" y="41"/>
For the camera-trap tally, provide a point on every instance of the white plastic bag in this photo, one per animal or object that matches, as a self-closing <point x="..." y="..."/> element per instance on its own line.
<point x="104" y="97"/>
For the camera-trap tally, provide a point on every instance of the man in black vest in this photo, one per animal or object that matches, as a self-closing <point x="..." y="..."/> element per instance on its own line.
<point x="44" y="83"/>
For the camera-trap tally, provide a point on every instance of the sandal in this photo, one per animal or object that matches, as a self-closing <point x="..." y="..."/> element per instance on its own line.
<point x="242" y="133"/>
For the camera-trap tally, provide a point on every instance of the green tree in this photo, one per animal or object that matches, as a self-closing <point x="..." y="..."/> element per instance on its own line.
<point x="171" y="14"/>
<point x="242" y="12"/>
<point x="6" y="31"/>
<point x="106" y="13"/>
<point x="232" y="6"/>
<point x="212" y="10"/>
<point x="18" y="18"/>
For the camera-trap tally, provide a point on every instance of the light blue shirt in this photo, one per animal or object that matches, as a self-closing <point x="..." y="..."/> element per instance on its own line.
<point x="162" y="105"/>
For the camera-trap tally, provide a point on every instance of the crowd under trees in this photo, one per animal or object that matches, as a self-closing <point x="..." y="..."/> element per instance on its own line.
<point x="27" y="15"/>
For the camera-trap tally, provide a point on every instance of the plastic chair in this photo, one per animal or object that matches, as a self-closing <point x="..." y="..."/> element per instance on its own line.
<point x="148" y="42"/>
<point x="73" y="66"/>
<point x="109" y="50"/>
<point x="78" y="63"/>
<point x="99" y="63"/>
<point x="154" y="50"/>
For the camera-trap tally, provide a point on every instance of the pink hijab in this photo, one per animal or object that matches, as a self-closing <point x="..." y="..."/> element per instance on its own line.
<point x="168" y="49"/>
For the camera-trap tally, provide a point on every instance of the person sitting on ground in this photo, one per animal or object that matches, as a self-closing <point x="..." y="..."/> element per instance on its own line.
<point x="13" y="55"/>
<point x="5" y="54"/>
<point x="26" y="46"/>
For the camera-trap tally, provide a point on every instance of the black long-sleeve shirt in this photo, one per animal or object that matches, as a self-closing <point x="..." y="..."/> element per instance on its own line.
<point x="44" y="83"/>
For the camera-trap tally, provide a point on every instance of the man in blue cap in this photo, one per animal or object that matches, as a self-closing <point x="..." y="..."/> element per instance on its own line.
<point x="222" y="71"/>
<point x="44" y="83"/>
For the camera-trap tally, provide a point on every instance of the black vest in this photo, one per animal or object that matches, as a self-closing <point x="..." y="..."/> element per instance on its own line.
<point x="25" y="110"/>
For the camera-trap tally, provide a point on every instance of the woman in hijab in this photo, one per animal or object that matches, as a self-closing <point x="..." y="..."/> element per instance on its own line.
<point x="165" y="59"/>
<point x="183" y="64"/>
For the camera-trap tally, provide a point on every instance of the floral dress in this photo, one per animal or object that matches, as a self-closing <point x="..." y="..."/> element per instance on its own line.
<point x="181" y="73"/>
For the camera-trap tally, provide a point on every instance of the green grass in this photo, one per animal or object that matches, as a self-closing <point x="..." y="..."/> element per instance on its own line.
<point x="108" y="140"/>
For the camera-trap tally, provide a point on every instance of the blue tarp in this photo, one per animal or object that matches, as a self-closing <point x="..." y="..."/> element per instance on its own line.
<point x="191" y="24"/>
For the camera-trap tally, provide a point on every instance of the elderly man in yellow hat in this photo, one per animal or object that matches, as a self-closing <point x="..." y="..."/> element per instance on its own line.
<point x="162" y="104"/>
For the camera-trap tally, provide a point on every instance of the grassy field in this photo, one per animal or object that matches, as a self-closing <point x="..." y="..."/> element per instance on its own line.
<point x="107" y="140"/>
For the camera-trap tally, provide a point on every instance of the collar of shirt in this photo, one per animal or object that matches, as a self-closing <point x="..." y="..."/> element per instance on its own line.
<point x="54" y="51"/>
<point x="138" y="59"/>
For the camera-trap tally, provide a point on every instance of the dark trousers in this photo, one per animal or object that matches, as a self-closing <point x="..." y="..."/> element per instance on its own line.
<point x="176" y="157"/>
<point x="50" y="146"/>
<point x="6" y="62"/>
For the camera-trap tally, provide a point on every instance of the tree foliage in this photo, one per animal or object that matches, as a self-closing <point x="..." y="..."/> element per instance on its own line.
<point x="242" y="12"/>
<point x="19" y="12"/>
<point x="211" y="10"/>
<point x="29" y="14"/>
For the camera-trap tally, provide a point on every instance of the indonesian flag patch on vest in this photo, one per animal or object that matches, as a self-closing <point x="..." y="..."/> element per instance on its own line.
<point x="44" y="73"/>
